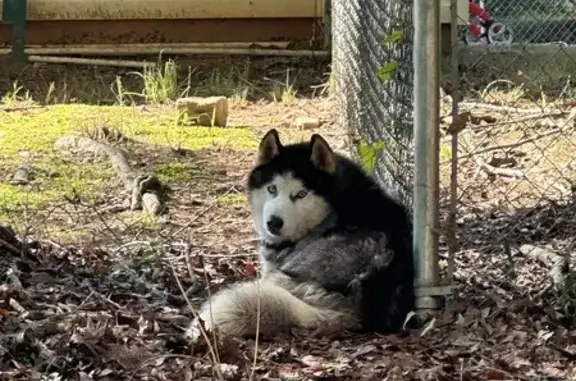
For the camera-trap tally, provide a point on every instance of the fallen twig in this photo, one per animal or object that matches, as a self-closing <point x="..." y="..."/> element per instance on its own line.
<point x="552" y="114"/>
<point x="518" y="110"/>
<point x="487" y="168"/>
<point x="491" y="170"/>
<point x="9" y="241"/>
<point x="566" y="353"/>
<point x="558" y="263"/>
<point x="145" y="189"/>
<point x="514" y="145"/>
<point x="9" y="247"/>
<point x="522" y="142"/>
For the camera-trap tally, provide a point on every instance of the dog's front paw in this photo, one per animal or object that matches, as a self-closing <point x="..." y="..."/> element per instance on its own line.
<point x="194" y="331"/>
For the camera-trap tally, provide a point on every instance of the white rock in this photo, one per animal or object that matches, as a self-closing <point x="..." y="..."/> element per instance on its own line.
<point x="307" y="123"/>
<point x="201" y="109"/>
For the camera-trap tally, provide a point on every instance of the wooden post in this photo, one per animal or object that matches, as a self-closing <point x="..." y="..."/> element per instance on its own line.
<point x="14" y="13"/>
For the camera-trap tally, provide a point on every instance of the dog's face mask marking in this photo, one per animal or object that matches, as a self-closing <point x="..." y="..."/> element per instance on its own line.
<point x="283" y="208"/>
<point x="321" y="156"/>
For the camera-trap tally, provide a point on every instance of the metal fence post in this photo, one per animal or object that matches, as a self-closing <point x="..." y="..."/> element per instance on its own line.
<point x="14" y="13"/>
<point x="426" y="55"/>
<point x="327" y="21"/>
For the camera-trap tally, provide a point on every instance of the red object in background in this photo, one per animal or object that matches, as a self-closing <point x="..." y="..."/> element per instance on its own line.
<point x="479" y="12"/>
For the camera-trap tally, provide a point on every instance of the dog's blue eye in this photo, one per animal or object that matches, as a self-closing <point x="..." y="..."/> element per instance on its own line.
<point x="301" y="194"/>
<point x="272" y="189"/>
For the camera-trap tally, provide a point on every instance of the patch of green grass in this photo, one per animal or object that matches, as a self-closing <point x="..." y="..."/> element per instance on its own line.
<point x="39" y="130"/>
<point x="232" y="199"/>
<point x="15" y="198"/>
<point x="174" y="171"/>
<point x="195" y="138"/>
<point x="17" y="95"/>
<point x="83" y="180"/>
<point x="229" y="82"/>
<point x="35" y="132"/>
<point x="138" y="219"/>
<point x="160" y="83"/>
<point x="28" y="138"/>
<point x="55" y="180"/>
<point x="445" y="151"/>
<point x="284" y="91"/>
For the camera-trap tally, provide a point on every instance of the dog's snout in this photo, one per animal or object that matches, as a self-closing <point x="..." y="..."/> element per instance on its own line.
<point x="275" y="224"/>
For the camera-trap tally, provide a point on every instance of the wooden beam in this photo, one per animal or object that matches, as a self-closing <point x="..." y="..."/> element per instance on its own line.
<point x="44" y="10"/>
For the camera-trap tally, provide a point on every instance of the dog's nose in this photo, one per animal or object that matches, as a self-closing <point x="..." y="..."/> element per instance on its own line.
<point x="275" y="224"/>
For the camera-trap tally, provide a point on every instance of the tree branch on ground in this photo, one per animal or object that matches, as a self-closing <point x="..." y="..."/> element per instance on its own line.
<point x="146" y="190"/>
<point x="558" y="264"/>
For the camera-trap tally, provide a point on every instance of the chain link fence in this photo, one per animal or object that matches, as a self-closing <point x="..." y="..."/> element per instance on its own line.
<point x="511" y="116"/>
<point x="532" y="21"/>
<point x="507" y="162"/>
<point x="372" y="68"/>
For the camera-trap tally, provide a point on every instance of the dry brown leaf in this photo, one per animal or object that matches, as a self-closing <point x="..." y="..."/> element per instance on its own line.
<point x="459" y="123"/>
<point x="494" y="374"/>
<point x="314" y="362"/>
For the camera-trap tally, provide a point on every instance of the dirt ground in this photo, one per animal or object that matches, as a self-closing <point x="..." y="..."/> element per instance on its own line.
<point x="90" y="290"/>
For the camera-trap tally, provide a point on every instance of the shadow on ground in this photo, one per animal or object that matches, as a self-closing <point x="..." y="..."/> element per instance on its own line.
<point x="252" y="78"/>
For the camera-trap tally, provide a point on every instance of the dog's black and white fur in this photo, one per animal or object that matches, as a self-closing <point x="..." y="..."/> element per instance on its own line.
<point x="335" y="249"/>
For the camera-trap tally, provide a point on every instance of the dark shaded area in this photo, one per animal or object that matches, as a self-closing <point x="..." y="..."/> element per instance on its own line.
<point x="256" y="77"/>
<point x="296" y="30"/>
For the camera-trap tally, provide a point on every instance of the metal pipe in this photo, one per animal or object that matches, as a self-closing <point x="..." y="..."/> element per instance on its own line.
<point x="143" y="49"/>
<point x="426" y="56"/>
<point x="135" y="49"/>
<point x="327" y="24"/>
<point x="14" y="13"/>
<point x="90" y="61"/>
<point x="455" y="79"/>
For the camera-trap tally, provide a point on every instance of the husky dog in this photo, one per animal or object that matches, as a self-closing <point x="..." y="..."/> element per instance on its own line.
<point x="335" y="252"/>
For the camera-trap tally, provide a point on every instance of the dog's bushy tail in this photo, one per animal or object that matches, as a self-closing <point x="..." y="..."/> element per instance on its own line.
<point x="235" y="311"/>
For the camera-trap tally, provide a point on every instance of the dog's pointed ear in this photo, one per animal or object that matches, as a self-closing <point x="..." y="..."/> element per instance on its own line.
<point x="270" y="146"/>
<point x="322" y="155"/>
